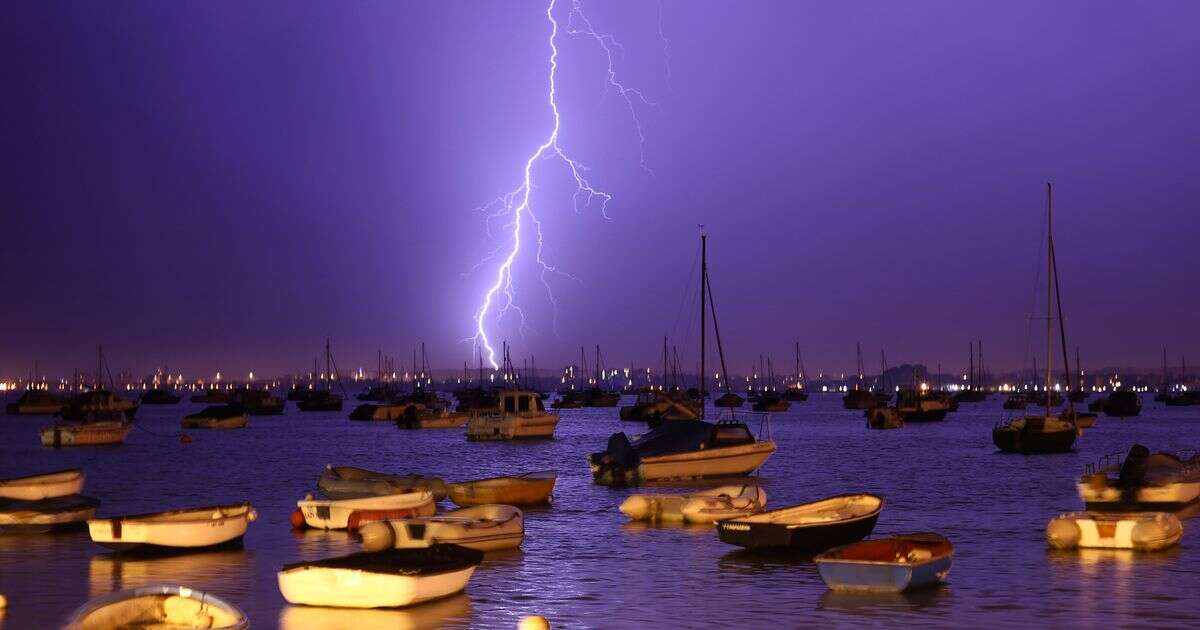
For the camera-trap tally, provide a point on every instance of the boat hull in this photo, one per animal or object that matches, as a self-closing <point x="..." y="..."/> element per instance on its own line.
<point x="1137" y="531"/>
<point x="380" y="580"/>
<point x="195" y="529"/>
<point x="716" y="462"/>
<point x="1173" y="497"/>
<point x="46" y="486"/>
<point x="512" y="427"/>
<point x="46" y="515"/>
<point x="809" y="539"/>
<point x="1033" y="442"/>
<point x="235" y="422"/>
<point x="157" y="607"/>
<point x="505" y="490"/>
<point x="92" y="434"/>
<point x="887" y="565"/>
<point x="484" y="527"/>
<point x="321" y="514"/>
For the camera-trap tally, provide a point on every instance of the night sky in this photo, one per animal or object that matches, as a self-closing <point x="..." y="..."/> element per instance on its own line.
<point x="220" y="185"/>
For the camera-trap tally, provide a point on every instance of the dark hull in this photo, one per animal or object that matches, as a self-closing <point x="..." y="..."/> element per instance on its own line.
<point x="1033" y="442"/>
<point x="795" y="395"/>
<point x="1121" y="412"/>
<point x="771" y="406"/>
<point x="44" y="529"/>
<point x="812" y="539"/>
<point x="271" y="410"/>
<point x="314" y="405"/>
<point x="925" y="416"/>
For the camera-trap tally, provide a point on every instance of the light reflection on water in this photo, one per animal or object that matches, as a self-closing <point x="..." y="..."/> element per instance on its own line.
<point x="583" y="564"/>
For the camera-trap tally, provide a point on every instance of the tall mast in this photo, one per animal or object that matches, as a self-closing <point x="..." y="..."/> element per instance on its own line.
<point x="797" y="365"/>
<point x="1049" y="287"/>
<point x="1079" y="368"/>
<point x="663" y="378"/>
<point x="971" y="369"/>
<point x="703" y="319"/>
<point x="1164" y="385"/>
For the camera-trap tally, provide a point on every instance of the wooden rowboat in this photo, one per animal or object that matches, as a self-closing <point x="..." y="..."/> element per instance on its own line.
<point x="46" y="515"/>
<point x="528" y="489"/>
<point x="1140" y="531"/>
<point x="887" y="565"/>
<point x="705" y="506"/>
<point x="349" y="482"/>
<point x="331" y="514"/>
<point x="158" y="607"/>
<point x="87" y="434"/>
<point x="806" y="528"/>
<point x="483" y="527"/>
<point x="187" y="529"/>
<point x="44" y="486"/>
<point x="386" y="579"/>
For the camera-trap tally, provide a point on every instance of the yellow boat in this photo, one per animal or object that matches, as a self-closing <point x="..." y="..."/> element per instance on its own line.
<point x="528" y="489"/>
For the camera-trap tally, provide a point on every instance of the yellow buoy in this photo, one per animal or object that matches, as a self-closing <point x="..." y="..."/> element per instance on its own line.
<point x="533" y="622"/>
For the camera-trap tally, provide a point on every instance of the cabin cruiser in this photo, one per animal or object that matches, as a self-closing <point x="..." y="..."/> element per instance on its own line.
<point x="1035" y="434"/>
<point x="519" y="415"/>
<point x="1142" y="481"/>
<point x="914" y="406"/>
<point x="688" y="449"/>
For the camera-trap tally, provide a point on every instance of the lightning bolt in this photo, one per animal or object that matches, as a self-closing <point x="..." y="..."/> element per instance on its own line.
<point x="515" y="205"/>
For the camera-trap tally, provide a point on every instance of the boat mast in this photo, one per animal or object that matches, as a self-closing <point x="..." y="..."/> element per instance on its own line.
<point x="1079" y="368"/>
<point x="703" y="319"/>
<point x="797" y="365"/>
<point x="1049" y="287"/>
<point x="971" y="369"/>
<point x="1164" y="381"/>
<point x="712" y="307"/>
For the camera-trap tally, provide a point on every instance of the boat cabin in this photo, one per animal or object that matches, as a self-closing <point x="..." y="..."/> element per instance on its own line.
<point x="521" y="402"/>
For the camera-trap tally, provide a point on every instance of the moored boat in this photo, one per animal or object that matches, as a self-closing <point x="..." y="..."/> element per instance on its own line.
<point x="35" y="402"/>
<point x="217" y="417"/>
<point x="349" y="482"/>
<point x="258" y="402"/>
<point x="484" y="527"/>
<point x="100" y="401"/>
<point x="188" y="529"/>
<point x="1142" y="482"/>
<point x="532" y="488"/>
<point x="46" y="515"/>
<point x="95" y="432"/>
<point x="158" y="396"/>
<point x="661" y="406"/>
<point x="337" y="514"/>
<point x="1035" y="434"/>
<point x="859" y="399"/>
<point x="729" y="400"/>
<point x="1122" y="404"/>
<point x="158" y="607"/>
<point x="59" y="483"/>
<point x="1016" y="402"/>
<point x="884" y="418"/>
<point x="385" y="579"/>
<point x="1081" y="419"/>
<point x="887" y="565"/>
<point x="520" y="415"/>
<point x="688" y="449"/>
<point x="1140" y="531"/>
<point x="436" y="418"/>
<point x="212" y="396"/>
<point x="704" y="506"/>
<point x="808" y="527"/>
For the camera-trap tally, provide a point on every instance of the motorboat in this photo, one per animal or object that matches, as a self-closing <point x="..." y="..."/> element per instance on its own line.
<point x="1081" y="419"/>
<point x="348" y="482"/>
<point x="1139" y="531"/>
<point x="217" y="417"/>
<point x="436" y="418"/>
<point x="442" y="613"/>
<point x="258" y="402"/>
<point x="917" y="406"/>
<point x="771" y="402"/>
<point x="321" y="400"/>
<point x="704" y="506"/>
<point x="159" y="396"/>
<point x="1142" y="482"/>
<point x="59" y="483"/>
<point x="887" y="565"/>
<point x="484" y="527"/>
<point x="806" y="528"/>
<point x="158" y="607"/>
<point x="1122" y="404"/>
<point x="100" y="429"/>
<point x="520" y="415"/>
<point x="687" y="449"/>
<point x="884" y="418"/>
<point x="35" y="402"/>
<point x="97" y="401"/>
<point x="189" y="529"/>
<point x="859" y="399"/>
<point x="1035" y="435"/>
<point x="385" y="579"/>
<point x="46" y="515"/>
<point x="337" y="514"/>
<point x="532" y="488"/>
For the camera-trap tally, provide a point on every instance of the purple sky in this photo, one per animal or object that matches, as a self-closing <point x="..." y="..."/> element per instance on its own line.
<point x="221" y="185"/>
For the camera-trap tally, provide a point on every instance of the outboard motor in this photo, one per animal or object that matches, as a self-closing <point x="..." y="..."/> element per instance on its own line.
<point x="1133" y="472"/>
<point x="617" y="464"/>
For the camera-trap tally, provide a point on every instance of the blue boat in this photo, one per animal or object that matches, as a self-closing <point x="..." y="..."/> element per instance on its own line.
<point x="887" y="565"/>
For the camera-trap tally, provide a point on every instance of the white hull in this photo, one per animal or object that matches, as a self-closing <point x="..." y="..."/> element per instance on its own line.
<point x="354" y="588"/>
<point x="716" y="462"/>
<point x="38" y="487"/>
<point x="512" y="426"/>
<point x="327" y="514"/>
<point x="91" y="434"/>
<point x="1182" y="493"/>
<point x="1142" y="531"/>
<point x="201" y="527"/>
<point x="483" y="527"/>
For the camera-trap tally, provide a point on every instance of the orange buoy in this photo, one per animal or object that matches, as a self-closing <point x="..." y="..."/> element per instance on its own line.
<point x="297" y="519"/>
<point x="186" y="439"/>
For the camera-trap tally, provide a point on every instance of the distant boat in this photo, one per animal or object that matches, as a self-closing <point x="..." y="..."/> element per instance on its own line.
<point x="703" y="506"/>
<point x="1016" y="402"/>
<point x="532" y="488"/>
<point x="385" y="579"/>
<point x="158" y="396"/>
<point x="974" y="391"/>
<point x="1142" y="482"/>
<point x="217" y="417"/>
<point x="158" y="607"/>
<point x="1139" y="531"/>
<point x="689" y="449"/>
<point x="860" y="397"/>
<point x="35" y="402"/>
<point x="484" y="527"/>
<point x="520" y="415"/>
<point x="437" y="418"/>
<point x="188" y="529"/>
<point x="49" y="485"/>
<point x="656" y="406"/>
<point x="348" y="482"/>
<point x="212" y="396"/>
<point x="920" y="406"/>
<point x="798" y="390"/>
<point x="729" y="400"/>
<point x="97" y="401"/>
<point x="323" y="399"/>
<point x="100" y="429"/>
<point x="337" y="514"/>
<point x="887" y="565"/>
<point x="257" y="402"/>
<point x="1122" y="404"/>
<point x="808" y="527"/>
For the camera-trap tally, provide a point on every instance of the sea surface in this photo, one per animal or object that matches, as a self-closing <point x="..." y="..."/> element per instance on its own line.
<point x="582" y="564"/>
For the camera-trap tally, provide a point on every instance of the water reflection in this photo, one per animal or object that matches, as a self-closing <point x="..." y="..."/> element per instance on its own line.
<point x="697" y="529"/>
<point x="868" y="604"/>
<point x="429" y="615"/>
<point x="222" y="571"/>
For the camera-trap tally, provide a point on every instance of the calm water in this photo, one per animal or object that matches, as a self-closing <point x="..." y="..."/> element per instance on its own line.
<point x="582" y="564"/>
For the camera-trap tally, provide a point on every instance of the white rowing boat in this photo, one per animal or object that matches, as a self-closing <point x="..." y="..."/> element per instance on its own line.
<point x="190" y="528"/>
<point x="158" y="607"/>
<point x="44" y="486"/>
<point x="386" y="579"/>
<point x="336" y="514"/>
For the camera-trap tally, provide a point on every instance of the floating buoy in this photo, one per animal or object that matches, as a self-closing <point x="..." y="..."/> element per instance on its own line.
<point x="297" y="519"/>
<point x="3" y="602"/>
<point x="186" y="439"/>
<point x="533" y="622"/>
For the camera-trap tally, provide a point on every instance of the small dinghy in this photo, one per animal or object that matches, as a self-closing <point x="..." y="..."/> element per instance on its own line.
<point x="337" y="514"/>
<point x="705" y="506"/>
<point x="884" y="418"/>
<point x="386" y="579"/>
<point x="158" y="607"/>
<point x="46" y="515"/>
<point x="60" y="483"/>
<point x="483" y="527"/>
<point x="188" y="529"/>
<point x="1140" y="531"/>
<point x="806" y="528"/>
<point x="887" y="565"/>
<point x="348" y="482"/>
<point x="95" y="433"/>
<point x="528" y="489"/>
<point x="217" y="417"/>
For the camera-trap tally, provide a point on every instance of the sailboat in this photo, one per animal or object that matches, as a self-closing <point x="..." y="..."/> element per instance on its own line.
<point x="1078" y="394"/>
<point x="797" y="391"/>
<point x="667" y="403"/>
<point x="859" y="397"/>
<point x="685" y="449"/>
<point x="324" y="399"/>
<point x="974" y="392"/>
<point x="770" y="399"/>
<point x="1043" y="433"/>
<point x="1182" y="397"/>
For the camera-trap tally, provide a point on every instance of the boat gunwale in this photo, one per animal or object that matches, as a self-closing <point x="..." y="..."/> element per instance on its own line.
<point x="529" y="477"/>
<point x="826" y="557"/>
<point x="14" y="480"/>
<point x="792" y="526"/>
<point x="221" y="507"/>
<point x="203" y="597"/>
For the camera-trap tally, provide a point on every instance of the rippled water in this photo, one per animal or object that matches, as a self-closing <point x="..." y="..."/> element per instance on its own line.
<point x="582" y="564"/>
